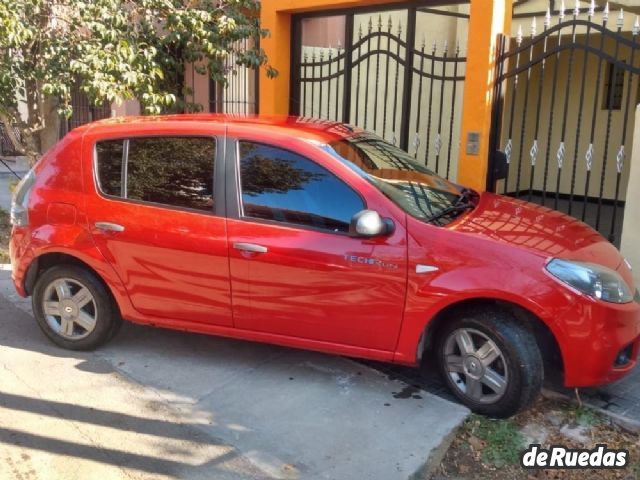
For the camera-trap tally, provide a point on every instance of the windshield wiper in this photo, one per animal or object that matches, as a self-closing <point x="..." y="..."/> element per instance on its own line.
<point x="462" y="203"/>
<point x="459" y="207"/>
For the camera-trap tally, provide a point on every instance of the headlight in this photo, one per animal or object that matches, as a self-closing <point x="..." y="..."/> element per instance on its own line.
<point x="594" y="280"/>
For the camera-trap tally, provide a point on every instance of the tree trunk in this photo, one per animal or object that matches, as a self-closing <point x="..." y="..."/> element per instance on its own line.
<point x="50" y="134"/>
<point x="35" y="120"/>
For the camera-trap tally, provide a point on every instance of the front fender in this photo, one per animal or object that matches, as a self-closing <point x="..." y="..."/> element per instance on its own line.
<point x="422" y="308"/>
<point x="463" y="267"/>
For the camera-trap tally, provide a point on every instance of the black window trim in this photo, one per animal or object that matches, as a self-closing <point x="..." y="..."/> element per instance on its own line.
<point x="237" y="182"/>
<point x="124" y="180"/>
<point x="219" y="207"/>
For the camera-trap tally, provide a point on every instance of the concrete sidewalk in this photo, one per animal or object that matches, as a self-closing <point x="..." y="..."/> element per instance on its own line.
<point x="5" y="191"/>
<point x="163" y="404"/>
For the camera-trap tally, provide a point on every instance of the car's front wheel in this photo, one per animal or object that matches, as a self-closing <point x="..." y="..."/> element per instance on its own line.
<point x="491" y="362"/>
<point x="74" y="309"/>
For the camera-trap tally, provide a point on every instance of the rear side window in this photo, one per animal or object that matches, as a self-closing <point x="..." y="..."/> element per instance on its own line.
<point x="172" y="171"/>
<point x="282" y="186"/>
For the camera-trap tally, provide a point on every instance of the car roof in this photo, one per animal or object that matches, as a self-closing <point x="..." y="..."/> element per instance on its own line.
<point x="300" y="127"/>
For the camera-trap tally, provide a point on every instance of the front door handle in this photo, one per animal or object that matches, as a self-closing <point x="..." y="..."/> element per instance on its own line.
<point x="250" y="247"/>
<point x="109" y="227"/>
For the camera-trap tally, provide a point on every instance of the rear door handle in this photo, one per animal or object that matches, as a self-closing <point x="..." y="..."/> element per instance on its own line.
<point x="109" y="227"/>
<point x="250" y="247"/>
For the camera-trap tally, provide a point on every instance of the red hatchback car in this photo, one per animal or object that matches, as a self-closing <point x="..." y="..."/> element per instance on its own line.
<point x="316" y="235"/>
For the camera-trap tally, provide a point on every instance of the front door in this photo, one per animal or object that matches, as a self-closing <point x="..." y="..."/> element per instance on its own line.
<point x="155" y="220"/>
<point x="294" y="269"/>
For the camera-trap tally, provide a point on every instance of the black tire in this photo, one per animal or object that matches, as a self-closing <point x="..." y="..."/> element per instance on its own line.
<point x="107" y="315"/>
<point x="520" y="357"/>
<point x="115" y="329"/>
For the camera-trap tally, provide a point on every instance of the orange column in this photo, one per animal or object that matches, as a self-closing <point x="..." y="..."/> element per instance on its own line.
<point x="488" y="19"/>
<point x="275" y="92"/>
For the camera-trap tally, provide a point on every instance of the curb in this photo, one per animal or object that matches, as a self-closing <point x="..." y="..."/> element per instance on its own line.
<point x="435" y="458"/>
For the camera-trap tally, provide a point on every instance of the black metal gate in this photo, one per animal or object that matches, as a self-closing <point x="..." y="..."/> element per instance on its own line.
<point x="391" y="71"/>
<point x="565" y="113"/>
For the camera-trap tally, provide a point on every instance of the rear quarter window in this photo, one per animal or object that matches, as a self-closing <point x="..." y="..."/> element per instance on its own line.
<point x="109" y="164"/>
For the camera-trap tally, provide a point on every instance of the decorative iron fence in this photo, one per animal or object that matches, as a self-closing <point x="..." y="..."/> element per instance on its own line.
<point x="565" y="112"/>
<point x="240" y="93"/>
<point x="391" y="78"/>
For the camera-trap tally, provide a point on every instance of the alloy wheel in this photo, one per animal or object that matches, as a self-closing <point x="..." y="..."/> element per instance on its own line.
<point x="69" y="308"/>
<point x="475" y="365"/>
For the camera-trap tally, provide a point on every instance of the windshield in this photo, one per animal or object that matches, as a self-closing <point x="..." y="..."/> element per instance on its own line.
<point x="416" y="189"/>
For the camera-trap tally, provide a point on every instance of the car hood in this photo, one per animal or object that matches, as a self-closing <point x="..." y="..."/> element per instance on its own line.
<point x="542" y="230"/>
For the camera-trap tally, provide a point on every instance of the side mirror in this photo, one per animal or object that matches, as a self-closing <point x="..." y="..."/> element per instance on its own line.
<point x="369" y="223"/>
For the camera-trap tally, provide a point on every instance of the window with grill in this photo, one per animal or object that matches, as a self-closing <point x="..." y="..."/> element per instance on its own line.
<point x="613" y="87"/>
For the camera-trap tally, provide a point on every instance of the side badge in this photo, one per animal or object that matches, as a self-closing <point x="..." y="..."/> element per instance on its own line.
<point x="426" y="268"/>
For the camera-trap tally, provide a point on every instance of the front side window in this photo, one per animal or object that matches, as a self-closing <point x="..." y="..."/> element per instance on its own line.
<point x="172" y="171"/>
<point x="282" y="186"/>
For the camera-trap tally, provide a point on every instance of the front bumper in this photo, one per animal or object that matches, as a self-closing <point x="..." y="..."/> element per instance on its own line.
<point x="600" y="332"/>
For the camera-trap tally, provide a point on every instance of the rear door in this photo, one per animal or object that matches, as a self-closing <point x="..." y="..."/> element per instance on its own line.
<point x="295" y="271"/>
<point x="157" y="215"/>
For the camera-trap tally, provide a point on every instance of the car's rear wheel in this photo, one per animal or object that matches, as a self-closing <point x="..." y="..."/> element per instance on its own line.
<point x="74" y="309"/>
<point x="490" y="362"/>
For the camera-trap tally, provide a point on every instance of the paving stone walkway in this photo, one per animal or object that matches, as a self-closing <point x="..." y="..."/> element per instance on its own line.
<point x="621" y="399"/>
